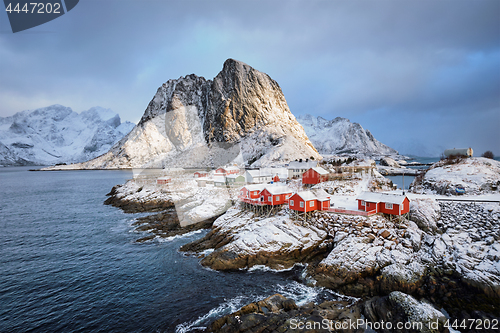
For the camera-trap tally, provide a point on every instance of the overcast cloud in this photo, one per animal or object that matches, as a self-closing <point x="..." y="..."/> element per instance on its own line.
<point x="420" y="75"/>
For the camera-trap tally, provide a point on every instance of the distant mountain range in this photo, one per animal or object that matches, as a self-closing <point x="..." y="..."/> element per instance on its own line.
<point x="239" y="116"/>
<point x="340" y="136"/>
<point x="57" y="134"/>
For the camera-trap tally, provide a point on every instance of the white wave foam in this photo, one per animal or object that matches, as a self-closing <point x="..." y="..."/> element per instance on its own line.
<point x="169" y="239"/>
<point x="264" y="268"/>
<point x="303" y="294"/>
<point x="299" y="292"/>
<point x="207" y="252"/>
<point x="225" y="308"/>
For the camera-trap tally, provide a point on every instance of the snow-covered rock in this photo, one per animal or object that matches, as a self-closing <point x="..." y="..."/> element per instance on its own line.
<point x="425" y="213"/>
<point x="476" y="175"/>
<point x="398" y="308"/>
<point x="57" y="134"/>
<point x="242" y="240"/>
<point x="192" y="204"/>
<point x="387" y="161"/>
<point x="241" y="115"/>
<point x="340" y="136"/>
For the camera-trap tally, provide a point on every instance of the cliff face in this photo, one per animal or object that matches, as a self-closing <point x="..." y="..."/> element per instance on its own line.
<point x="241" y="115"/>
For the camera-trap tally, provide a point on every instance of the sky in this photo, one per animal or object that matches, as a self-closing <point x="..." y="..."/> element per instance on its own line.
<point x="422" y="75"/>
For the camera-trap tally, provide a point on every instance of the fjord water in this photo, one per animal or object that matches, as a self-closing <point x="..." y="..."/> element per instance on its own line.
<point x="70" y="264"/>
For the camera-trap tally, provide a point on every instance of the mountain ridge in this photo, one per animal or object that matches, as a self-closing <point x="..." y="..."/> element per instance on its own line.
<point x="56" y="134"/>
<point x="340" y="136"/>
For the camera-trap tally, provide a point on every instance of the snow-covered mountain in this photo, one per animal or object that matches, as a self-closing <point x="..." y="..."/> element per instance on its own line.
<point x="241" y="115"/>
<point x="57" y="134"/>
<point x="340" y="136"/>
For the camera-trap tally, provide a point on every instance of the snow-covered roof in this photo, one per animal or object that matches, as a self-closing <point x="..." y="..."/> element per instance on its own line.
<point x="278" y="189"/>
<point x="254" y="173"/>
<point x="231" y="168"/>
<point x="233" y="176"/>
<point x="219" y="179"/>
<point x="302" y="165"/>
<point x="382" y="197"/>
<point x="201" y="179"/>
<point x="164" y="178"/>
<point x="306" y="195"/>
<point x="320" y="170"/>
<point x="321" y="194"/>
<point x="255" y="187"/>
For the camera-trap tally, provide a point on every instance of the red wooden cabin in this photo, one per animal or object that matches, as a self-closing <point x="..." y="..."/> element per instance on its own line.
<point x="199" y="174"/>
<point x="232" y="170"/>
<point x="251" y="193"/>
<point x="308" y="201"/>
<point x="276" y="195"/>
<point x="394" y="204"/>
<point x="315" y="175"/>
<point x="163" y="180"/>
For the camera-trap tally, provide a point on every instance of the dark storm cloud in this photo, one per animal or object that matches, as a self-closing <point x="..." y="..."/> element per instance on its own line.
<point x="360" y="60"/>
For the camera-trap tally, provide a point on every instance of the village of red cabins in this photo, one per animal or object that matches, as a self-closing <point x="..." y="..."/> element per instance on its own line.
<point x="369" y="203"/>
<point x="275" y="194"/>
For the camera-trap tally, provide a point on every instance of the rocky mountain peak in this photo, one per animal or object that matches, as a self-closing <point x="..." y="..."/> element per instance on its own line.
<point x="187" y="117"/>
<point x="173" y="94"/>
<point x="244" y="98"/>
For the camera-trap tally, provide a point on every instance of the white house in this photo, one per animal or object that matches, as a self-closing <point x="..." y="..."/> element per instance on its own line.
<point x="257" y="177"/>
<point x="296" y="168"/>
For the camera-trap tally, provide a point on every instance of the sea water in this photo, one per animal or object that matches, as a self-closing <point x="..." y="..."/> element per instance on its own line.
<point x="70" y="264"/>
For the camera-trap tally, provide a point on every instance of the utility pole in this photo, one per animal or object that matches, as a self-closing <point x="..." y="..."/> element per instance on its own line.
<point x="403" y="182"/>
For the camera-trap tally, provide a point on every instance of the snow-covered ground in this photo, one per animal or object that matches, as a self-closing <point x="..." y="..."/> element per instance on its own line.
<point x="476" y="175"/>
<point x="345" y="191"/>
<point x="276" y="233"/>
<point x="192" y="203"/>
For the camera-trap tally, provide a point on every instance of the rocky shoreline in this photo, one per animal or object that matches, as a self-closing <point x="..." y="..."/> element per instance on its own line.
<point x="428" y="257"/>
<point x="135" y="198"/>
<point x="166" y="224"/>
<point x="181" y="206"/>
<point x="445" y="256"/>
<point x="120" y="200"/>
<point x="280" y="314"/>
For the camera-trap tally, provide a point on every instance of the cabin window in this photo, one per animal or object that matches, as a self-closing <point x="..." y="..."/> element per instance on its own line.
<point x="269" y="198"/>
<point x="277" y="198"/>
<point x="311" y="203"/>
<point x="254" y="192"/>
<point x="363" y="203"/>
<point x="388" y="206"/>
<point x="302" y="204"/>
<point x="291" y="203"/>
<point x="261" y="198"/>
